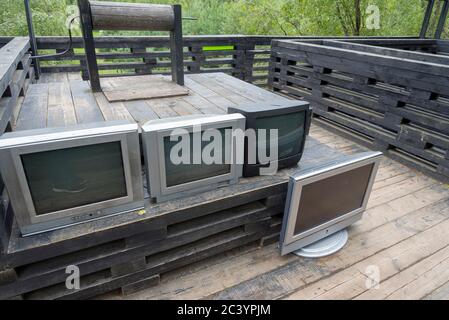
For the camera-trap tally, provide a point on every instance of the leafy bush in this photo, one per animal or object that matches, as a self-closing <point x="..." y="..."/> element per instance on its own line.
<point x="273" y="17"/>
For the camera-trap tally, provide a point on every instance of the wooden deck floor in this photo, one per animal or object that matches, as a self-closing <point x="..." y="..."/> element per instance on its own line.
<point x="60" y="100"/>
<point x="404" y="235"/>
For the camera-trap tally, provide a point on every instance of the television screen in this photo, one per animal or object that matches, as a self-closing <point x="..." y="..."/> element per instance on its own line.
<point x="343" y="192"/>
<point x="291" y="131"/>
<point x="73" y="177"/>
<point x="178" y="174"/>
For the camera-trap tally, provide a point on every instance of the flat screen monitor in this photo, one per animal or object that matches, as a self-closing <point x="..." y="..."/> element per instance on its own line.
<point x="168" y="178"/>
<point x="60" y="177"/>
<point x="292" y="121"/>
<point x="325" y="200"/>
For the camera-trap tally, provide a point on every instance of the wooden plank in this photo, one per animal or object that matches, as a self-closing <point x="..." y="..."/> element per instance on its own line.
<point x="219" y="89"/>
<point x="112" y="111"/>
<point x="118" y="258"/>
<point x="392" y="262"/>
<point x="183" y="108"/>
<point x="61" y="111"/>
<point x="247" y="90"/>
<point x="10" y="56"/>
<point x="296" y="274"/>
<point x="33" y="114"/>
<point x="441" y="293"/>
<point x="163" y="107"/>
<point x="178" y="257"/>
<point x="141" y="87"/>
<point x="203" y="105"/>
<point x="131" y="16"/>
<point x="140" y="111"/>
<point x="86" y="107"/>
<point x="421" y="56"/>
<point x="141" y="285"/>
<point x="17" y="86"/>
<point x="219" y="100"/>
<point x="417" y="281"/>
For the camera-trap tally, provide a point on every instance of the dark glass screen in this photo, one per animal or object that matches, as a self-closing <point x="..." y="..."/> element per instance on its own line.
<point x="74" y="177"/>
<point x="290" y="135"/>
<point x="330" y="198"/>
<point x="178" y="174"/>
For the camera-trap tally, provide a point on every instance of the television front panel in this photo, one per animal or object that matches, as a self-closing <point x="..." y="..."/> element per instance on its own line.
<point x="168" y="180"/>
<point x="60" y="177"/>
<point x="325" y="200"/>
<point x="292" y="119"/>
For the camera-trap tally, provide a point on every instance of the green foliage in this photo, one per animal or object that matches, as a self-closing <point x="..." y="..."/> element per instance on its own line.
<point x="49" y="17"/>
<point x="271" y="17"/>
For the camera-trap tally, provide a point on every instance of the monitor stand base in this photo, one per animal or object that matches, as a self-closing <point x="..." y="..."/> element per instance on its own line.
<point x="325" y="247"/>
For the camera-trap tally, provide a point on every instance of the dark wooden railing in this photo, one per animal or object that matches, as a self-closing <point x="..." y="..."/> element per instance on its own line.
<point x="246" y="58"/>
<point x="392" y="100"/>
<point x="15" y="77"/>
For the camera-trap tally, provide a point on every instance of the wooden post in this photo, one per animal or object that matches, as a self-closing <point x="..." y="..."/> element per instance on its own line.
<point x="89" y="45"/>
<point x="428" y="15"/>
<point x="239" y="61"/>
<point x="198" y="58"/>
<point x="148" y="62"/>
<point x="33" y="44"/>
<point x="176" y="46"/>
<point x="442" y="21"/>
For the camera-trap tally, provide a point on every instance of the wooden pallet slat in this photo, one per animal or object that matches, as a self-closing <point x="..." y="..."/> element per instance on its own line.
<point x="387" y="96"/>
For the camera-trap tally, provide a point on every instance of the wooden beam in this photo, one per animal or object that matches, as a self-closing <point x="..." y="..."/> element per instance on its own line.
<point x="29" y="16"/>
<point x="176" y="46"/>
<point x="89" y="44"/>
<point x="131" y="16"/>
<point x="442" y="21"/>
<point x="426" y="21"/>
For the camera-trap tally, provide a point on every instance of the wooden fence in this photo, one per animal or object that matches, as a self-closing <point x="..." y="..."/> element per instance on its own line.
<point x="15" y="77"/>
<point x="376" y="91"/>
<point x="246" y="58"/>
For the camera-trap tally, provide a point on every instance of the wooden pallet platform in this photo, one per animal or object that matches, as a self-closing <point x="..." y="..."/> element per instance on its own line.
<point x="122" y="250"/>
<point x="131" y="250"/>
<point x="392" y="100"/>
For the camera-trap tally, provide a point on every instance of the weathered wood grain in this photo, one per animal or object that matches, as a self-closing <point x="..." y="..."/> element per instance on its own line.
<point x="131" y="16"/>
<point x="390" y="99"/>
<point x="86" y="107"/>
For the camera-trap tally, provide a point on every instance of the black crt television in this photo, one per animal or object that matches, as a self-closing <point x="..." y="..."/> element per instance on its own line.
<point x="292" y="119"/>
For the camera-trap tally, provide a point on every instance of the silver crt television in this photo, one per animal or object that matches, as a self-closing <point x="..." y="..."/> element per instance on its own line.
<point x="168" y="179"/>
<point x="59" y="177"/>
<point x="325" y="200"/>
